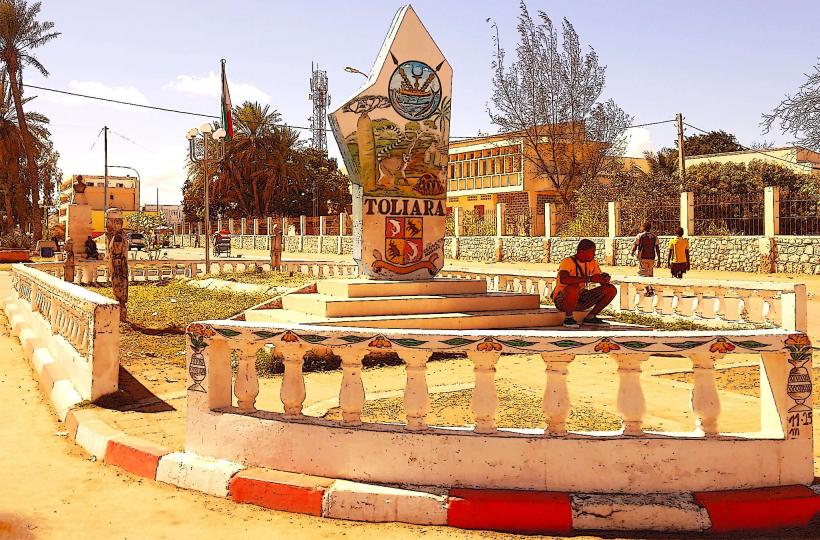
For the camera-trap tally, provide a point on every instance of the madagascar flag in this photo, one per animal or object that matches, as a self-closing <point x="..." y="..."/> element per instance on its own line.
<point x="227" y="120"/>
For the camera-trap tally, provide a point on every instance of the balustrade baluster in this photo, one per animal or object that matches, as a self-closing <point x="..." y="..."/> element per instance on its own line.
<point x="351" y="393"/>
<point x="293" y="381"/>
<point x="701" y="305"/>
<point x="705" y="397"/>
<point x="720" y="311"/>
<point x="485" y="398"/>
<point x="246" y="387"/>
<point x="631" y="402"/>
<point x="416" y="394"/>
<point x="556" y="404"/>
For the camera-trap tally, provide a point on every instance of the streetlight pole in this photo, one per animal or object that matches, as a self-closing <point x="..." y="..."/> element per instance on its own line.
<point x="139" y="183"/>
<point x="218" y="135"/>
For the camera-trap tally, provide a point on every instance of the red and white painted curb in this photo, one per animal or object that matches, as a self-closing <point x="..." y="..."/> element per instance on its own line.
<point x="529" y="512"/>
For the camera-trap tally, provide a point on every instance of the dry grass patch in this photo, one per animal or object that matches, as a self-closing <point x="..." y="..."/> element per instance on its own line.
<point x="271" y="279"/>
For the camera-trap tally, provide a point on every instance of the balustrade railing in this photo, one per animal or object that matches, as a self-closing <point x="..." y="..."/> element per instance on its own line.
<point x="74" y="327"/>
<point x="779" y="305"/>
<point x="212" y="389"/>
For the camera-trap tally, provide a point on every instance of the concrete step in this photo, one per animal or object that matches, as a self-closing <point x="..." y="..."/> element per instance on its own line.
<point x="330" y="306"/>
<point x="364" y="288"/>
<point x="476" y="320"/>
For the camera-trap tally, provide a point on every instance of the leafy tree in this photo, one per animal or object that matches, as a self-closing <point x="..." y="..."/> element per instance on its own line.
<point x="16" y="189"/>
<point x="714" y="142"/>
<point x="799" y="114"/>
<point x="147" y="223"/>
<point x="550" y="96"/>
<point x="664" y="162"/>
<point x="20" y="33"/>
<point x="265" y="171"/>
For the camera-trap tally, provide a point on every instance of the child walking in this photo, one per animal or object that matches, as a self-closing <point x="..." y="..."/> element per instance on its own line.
<point x="678" y="259"/>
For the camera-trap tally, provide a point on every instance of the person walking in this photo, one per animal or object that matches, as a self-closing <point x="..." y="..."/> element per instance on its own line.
<point x="678" y="259"/>
<point x="647" y="250"/>
<point x="571" y="293"/>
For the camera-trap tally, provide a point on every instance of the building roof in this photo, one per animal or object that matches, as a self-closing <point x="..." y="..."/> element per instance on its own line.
<point x="761" y="151"/>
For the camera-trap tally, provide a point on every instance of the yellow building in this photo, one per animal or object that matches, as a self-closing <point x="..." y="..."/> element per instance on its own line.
<point x="123" y="192"/>
<point x="796" y="158"/>
<point x="484" y="171"/>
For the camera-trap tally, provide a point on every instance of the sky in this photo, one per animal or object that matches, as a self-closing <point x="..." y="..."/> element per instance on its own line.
<point x="720" y="63"/>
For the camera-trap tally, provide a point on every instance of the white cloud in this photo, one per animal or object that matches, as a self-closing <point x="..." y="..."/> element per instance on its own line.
<point x="211" y="86"/>
<point x="639" y="141"/>
<point x="97" y="89"/>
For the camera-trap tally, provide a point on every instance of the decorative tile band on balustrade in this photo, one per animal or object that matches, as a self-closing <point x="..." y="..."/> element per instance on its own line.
<point x="474" y="458"/>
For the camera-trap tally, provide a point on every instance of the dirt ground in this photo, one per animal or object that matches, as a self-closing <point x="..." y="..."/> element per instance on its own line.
<point x="51" y="490"/>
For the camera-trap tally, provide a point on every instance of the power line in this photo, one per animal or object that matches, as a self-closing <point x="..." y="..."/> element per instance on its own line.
<point x="762" y="153"/>
<point x="202" y="115"/>
<point x="121" y="136"/>
<point x="97" y="138"/>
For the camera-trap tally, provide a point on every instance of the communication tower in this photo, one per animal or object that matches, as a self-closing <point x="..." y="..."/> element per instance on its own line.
<point x="321" y="99"/>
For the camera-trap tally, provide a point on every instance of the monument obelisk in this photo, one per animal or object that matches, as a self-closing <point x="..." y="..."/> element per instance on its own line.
<point x="394" y="138"/>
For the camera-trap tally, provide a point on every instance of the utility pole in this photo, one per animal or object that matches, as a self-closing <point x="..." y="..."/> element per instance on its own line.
<point x="681" y="152"/>
<point x="105" y="185"/>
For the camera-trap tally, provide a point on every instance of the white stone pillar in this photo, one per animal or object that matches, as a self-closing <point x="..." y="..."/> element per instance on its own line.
<point x="614" y="213"/>
<point x="687" y="213"/>
<point x="500" y="214"/>
<point x="322" y="225"/>
<point x="342" y="224"/>
<point x="771" y="210"/>
<point x="456" y="221"/>
<point x="549" y="214"/>
<point x="255" y="226"/>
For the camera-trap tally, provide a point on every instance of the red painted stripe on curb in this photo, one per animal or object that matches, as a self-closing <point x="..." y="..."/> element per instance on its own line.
<point x="279" y="490"/>
<point x="527" y="512"/>
<point x="135" y="455"/>
<point x="760" y="509"/>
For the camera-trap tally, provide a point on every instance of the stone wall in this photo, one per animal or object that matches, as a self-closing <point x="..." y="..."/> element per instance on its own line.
<point x="347" y="245"/>
<point x="477" y="248"/>
<point x="623" y="250"/>
<point x="291" y="244"/>
<point x="310" y="244"/>
<point x="523" y="249"/>
<point x="799" y="254"/>
<point x="563" y="247"/>
<point x="792" y="254"/>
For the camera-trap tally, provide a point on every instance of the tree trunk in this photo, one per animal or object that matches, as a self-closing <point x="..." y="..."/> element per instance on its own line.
<point x="28" y="146"/>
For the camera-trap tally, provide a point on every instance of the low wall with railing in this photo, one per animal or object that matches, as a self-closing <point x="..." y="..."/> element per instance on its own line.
<point x="71" y="332"/>
<point x="779" y="305"/>
<point x="764" y="303"/>
<point x="88" y="272"/>
<point x="223" y="420"/>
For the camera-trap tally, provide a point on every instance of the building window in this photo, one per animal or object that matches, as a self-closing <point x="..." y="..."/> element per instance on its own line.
<point x="119" y="184"/>
<point x="111" y="197"/>
<point x="479" y="211"/>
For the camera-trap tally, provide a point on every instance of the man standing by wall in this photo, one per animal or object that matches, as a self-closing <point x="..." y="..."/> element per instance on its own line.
<point x="648" y="251"/>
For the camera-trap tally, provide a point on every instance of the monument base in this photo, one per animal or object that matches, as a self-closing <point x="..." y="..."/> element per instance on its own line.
<point x="433" y="304"/>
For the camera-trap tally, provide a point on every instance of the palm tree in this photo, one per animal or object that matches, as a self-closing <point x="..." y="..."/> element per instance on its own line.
<point x="12" y="153"/>
<point x="20" y="33"/>
<point x="664" y="162"/>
